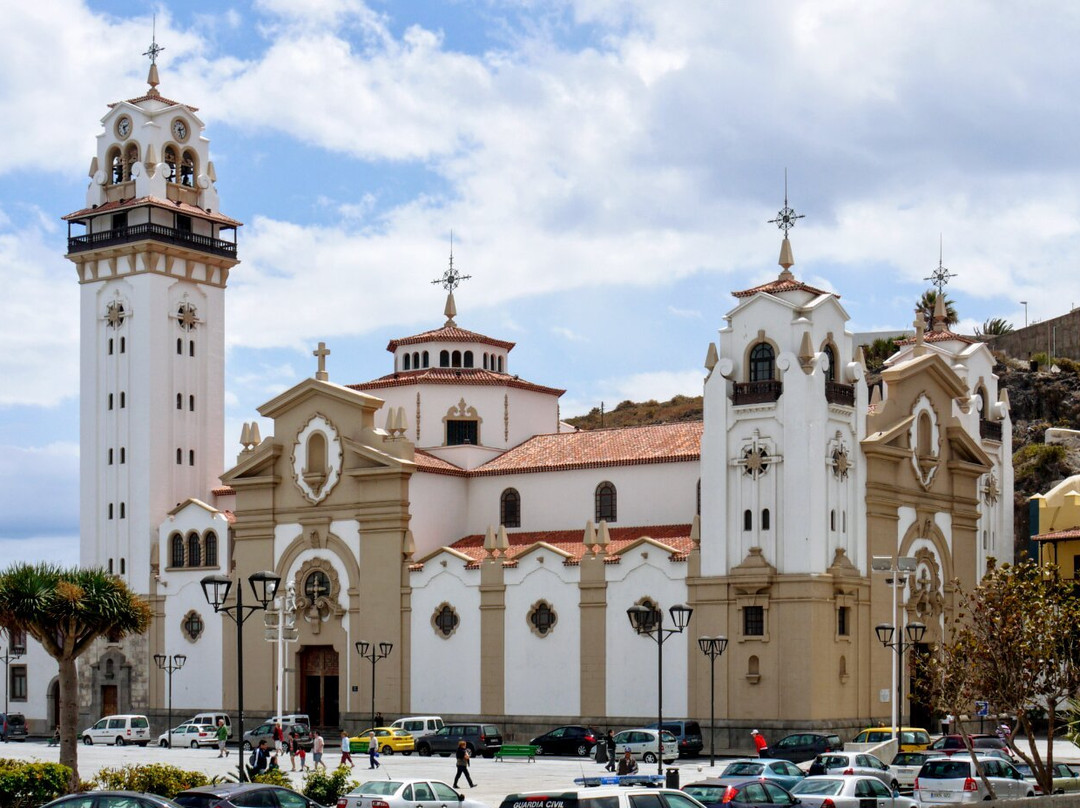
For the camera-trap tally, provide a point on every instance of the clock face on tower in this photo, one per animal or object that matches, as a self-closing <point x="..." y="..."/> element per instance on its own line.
<point x="179" y="129"/>
<point x="123" y="126"/>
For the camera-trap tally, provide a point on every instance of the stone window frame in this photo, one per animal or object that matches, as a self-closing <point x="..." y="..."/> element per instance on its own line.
<point x="440" y="632"/>
<point x="531" y="622"/>
<point x="760" y="600"/>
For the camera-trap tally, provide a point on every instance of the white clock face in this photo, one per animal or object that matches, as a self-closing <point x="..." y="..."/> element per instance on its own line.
<point x="180" y="130"/>
<point x="123" y="126"/>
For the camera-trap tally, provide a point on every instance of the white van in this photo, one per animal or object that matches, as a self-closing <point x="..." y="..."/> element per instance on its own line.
<point x="119" y="730"/>
<point x="289" y="720"/>
<point x="417" y="725"/>
<point x="212" y="719"/>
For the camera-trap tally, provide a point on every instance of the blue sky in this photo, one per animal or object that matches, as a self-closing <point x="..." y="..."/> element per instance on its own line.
<point x="608" y="169"/>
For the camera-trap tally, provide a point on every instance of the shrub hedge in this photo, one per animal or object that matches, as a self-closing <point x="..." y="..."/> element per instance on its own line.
<point x="28" y="785"/>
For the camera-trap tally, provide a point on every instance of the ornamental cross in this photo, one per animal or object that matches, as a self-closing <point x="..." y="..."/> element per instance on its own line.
<point x="321" y="352"/>
<point x="451" y="279"/>
<point x="786" y="218"/>
<point x="940" y="276"/>
<point x="755" y="458"/>
<point x="154" y="48"/>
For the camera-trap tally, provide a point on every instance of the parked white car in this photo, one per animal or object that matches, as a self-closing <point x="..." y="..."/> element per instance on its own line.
<point x="643" y="744"/>
<point x="954" y="779"/>
<point x="119" y="730"/>
<point x="848" y="791"/>
<point x="189" y="736"/>
<point x="405" y="793"/>
<point x="905" y="768"/>
<point x="854" y="763"/>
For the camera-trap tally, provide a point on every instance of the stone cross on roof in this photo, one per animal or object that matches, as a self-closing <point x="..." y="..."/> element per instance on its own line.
<point x="321" y="352"/>
<point x="920" y="329"/>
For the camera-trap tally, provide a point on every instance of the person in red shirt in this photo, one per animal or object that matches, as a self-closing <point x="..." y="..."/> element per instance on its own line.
<point x="760" y="743"/>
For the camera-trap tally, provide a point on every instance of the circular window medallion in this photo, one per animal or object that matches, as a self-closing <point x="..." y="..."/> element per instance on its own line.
<point x="445" y="620"/>
<point x="193" y="625"/>
<point x="542" y="618"/>
<point x="115" y="314"/>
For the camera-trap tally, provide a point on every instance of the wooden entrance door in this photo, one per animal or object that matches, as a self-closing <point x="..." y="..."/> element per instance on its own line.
<point x="54" y="704"/>
<point x="110" y="703"/>
<point x="319" y="682"/>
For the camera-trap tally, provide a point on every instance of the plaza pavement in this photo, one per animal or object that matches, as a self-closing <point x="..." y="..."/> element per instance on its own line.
<point x="494" y="779"/>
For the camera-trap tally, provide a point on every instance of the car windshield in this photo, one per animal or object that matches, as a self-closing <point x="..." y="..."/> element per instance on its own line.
<point x="1024" y="769"/>
<point x="668" y="737"/>
<point x="833" y="761"/>
<point x="379" y="787"/>
<point x="706" y="794"/>
<point x="818" y="785"/>
<point x="196" y="800"/>
<point x="742" y="769"/>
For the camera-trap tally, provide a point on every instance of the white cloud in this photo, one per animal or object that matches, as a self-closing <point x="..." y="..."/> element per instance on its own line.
<point x="40" y="493"/>
<point x="688" y="314"/>
<point x="567" y="334"/>
<point x="62" y="551"/>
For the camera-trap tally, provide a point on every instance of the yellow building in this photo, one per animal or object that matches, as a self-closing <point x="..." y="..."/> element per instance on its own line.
<point x="1057" y="529"/>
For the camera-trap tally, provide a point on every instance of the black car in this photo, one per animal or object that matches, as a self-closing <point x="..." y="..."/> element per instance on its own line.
<point x="570" y="740"/>
<point x="801" y="746"/>
<point x="112" y="799"/>
<point x="687" y="733"/>
<point x="12" y="727"/>
<point x="480" y="739"/>
<point x="237" y="795"/>
<point x="750" y="793"/>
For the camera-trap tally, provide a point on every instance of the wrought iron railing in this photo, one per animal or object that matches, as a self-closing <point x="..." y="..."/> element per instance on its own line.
<point x="990" y="430"/>
<point x="839" y="393"/>
<point x="157" y="232"/>
<point x="764" y="392"/>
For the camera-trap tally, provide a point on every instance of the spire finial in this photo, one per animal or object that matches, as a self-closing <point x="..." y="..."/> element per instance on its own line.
<point x="152" y="52"/>
<point x="450" y="280"/>
<point x="940" y="276"/>
<point x="785" y="220"/>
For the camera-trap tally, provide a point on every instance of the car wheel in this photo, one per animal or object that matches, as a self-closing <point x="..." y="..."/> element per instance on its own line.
<point x="119" y="741"/>
<point x="406" y="754"/>
<point x="423" y="750"/>
<point x="87" y="740"/>
<point x="194" y="744"/>
<point x="540" y="749"/>
<point x="583" y="750"/>
<point x="386" y="750"/>
<point x="648" y="757"/>
<point x="163" y="744"/>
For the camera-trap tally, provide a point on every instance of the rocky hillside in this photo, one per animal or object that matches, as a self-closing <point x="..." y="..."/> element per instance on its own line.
<point x="1040" y="399"/>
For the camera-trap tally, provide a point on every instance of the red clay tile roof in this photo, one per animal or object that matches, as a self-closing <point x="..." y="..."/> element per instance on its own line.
<point x="677" y="537"/>
<point x="223" y="491"/>
<point x="436" y="465"/>
<point x="155" y="96"/>
<point x="624" y="446"/>
<point x="1059" y="535"/>
<point x="938" y="336"/>
<point x="468" y="376"/>
<point x="122" y="204"/>
<point x="449" y="334"/>
<point x="777" y="286"/>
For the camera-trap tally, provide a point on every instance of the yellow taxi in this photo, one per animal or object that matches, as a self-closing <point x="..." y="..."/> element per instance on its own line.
<point x="391" y="739"/>
<point x="912" y="739"/>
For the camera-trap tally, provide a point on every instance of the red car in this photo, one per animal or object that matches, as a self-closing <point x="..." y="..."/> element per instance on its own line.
<point x="951" y="744"/>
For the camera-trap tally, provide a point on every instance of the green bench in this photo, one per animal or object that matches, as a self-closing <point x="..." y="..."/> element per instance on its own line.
<point x="520" y="750"/>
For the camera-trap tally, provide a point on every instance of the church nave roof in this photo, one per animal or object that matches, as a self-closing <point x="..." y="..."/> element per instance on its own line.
<point x="439" y="375"/>
<point x="449" y="333"/>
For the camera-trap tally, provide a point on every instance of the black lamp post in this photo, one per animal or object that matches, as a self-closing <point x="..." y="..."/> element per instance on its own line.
<point x="368" y="652"/>
<point x="915" y="633"/>
<point x="650" y="623"/>
<point x="216" y="589"/>
<point x="712" y="647"/>
<point x="169" y="664"/>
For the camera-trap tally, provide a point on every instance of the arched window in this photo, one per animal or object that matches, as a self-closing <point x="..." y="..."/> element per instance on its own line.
<point x="317" y="585"/>
<point x="926" y="435"/>
<point x="123" y="344"/>
<point x="316" y="455"/>
<point x="191" y="347"/>
<point x="116" y="166"/>
<point x="764" y="518"/>
<point x="485" y="361"/>
<point x="170" y="161"/>
<point x="466" y="359"/>
<point x="748" y="519"/>
<point x="179" y="346"/>
<point x="110" y="457"/>
<point x="110" y="346"/>
<point x="698" y="511"/>
<point x="123" y="400"/>
<point x="194" y="551"/>
<point x="455" y="359"/>
<point x="425" y="357"/>
<point x="188" y="169"/>
<point x="444" y="359"/>
<point x="123" y="510"/>
<point x="762" y="362"/>
<point x="191" y="403"/>
<point x="131" y="157"/>
<point x="110" y="399"/>
<point x="832" y="519"/>
<point x="416" y="360"/>
<point x="191" y="457"/>
<point x="211" y="549"/>
<point x="123" y="455"/>
<point x="500" y="365"/>
<point x="110" y="510"/>
<point x="123" y="566"/>
<point x="830" y="372"/>
<point x="407" y="365"/>
<point x="177" y="550"/>
<point x="606" y="502"/>
<point x="179" y="401"/>
<point x="510" y="508"/>
<point x="179" y="457"/>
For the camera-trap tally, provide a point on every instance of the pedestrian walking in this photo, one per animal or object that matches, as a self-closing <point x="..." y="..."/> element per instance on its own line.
<point x="378" y="719"/>
<point x="609" y="742"/>
<point x="222" y="734"/>
<point x="760" y="743"/>
<point x="317" y="747"/>
<point x="373" y="750"/>
<point x="462" y="756"/>
<point x="293" y="746"/>
<point x="259" y="760"/>
<point x="346" y="751"/>
<point x="278" y="734"/>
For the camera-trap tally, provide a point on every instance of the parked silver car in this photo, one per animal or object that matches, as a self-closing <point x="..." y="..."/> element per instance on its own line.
<point x="955" y="780"/>
<point x="854" y="763"/>
<point x="643" y="744"/>
<point x="405" y="793"/>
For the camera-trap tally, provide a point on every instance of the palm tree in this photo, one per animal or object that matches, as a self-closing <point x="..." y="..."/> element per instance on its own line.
<point x="926" y="306"/>
<point x="66" y="610"/>
<point x="994" y="327"/>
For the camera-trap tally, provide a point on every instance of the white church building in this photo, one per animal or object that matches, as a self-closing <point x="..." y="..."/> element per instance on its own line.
<point x="445" y="507"/>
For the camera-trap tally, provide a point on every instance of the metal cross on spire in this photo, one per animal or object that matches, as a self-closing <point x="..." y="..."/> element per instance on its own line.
<point x="940" y="276"/>
<point x="451" y="279"/>
<point x="154" y="48"/>
<point x="786" y="218"/>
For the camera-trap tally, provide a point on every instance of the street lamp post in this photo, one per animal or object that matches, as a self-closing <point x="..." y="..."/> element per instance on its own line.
<point x="899" y="569"/>
<point x="368" y="652"/>
<point x="216" y="589"/>
<point x="915" y="633"/>
<point x="169" y="664"/>
<point x="650" y="623"/>
<point x="712" y="647"/>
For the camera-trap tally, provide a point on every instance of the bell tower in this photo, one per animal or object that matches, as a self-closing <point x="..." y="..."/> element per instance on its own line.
<point x="152" y="254"/>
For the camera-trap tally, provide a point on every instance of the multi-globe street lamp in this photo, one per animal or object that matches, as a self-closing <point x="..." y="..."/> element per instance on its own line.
<point x="899" y="569"/>
<point x="169" y="664"/>
<point x="368" y="652"/>
<point x="649" y="622"/>
<point x="216" y="589"/>
<point x="712" y="647"/>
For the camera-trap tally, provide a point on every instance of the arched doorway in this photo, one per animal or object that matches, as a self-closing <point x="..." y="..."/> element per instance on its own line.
<point x="319" y="681"/>
<point x="54" y="703"/>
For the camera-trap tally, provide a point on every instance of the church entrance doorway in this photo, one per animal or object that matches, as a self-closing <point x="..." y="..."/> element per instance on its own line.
<point x="319" y="684"/>
<point x="54" y="704"/>
<point x="110" y="702"/>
